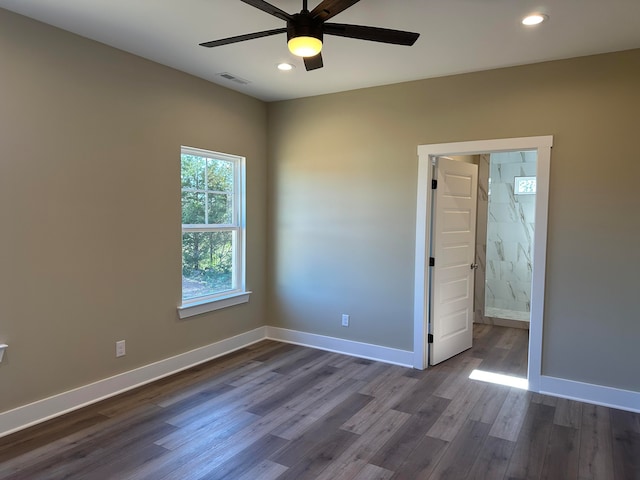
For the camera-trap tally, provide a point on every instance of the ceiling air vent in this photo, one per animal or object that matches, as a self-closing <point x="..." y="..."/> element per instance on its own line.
<point x="233" y="78"/>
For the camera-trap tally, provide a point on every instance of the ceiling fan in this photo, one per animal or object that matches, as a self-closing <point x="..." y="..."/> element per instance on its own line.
<point x="305" y="30"/>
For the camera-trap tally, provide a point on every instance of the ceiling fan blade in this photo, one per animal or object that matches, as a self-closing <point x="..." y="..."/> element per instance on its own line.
<point x="374" y="34"/>
<point x="329" y="8"/>
<point x="242" y="38"/>
<point x="313" y="63"/>
<point x="270" y="9"/>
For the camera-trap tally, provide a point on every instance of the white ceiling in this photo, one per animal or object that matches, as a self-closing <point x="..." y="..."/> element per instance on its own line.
<point x="456" y="36"/>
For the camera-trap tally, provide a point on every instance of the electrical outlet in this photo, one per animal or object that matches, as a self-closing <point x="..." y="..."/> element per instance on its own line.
<point x="345" y="320"/>
<point x="121" y="348"/>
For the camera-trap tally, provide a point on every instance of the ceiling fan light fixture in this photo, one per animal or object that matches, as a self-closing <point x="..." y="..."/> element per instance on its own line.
<point x="304" y="46"/>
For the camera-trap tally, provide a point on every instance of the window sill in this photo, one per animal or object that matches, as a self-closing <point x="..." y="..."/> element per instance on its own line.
<point x="197" y="308"/>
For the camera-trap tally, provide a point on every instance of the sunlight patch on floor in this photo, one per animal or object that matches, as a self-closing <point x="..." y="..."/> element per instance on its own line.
<point x="500" y="379"/>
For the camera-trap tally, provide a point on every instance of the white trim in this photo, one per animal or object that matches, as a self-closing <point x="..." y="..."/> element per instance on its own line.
<point x="200" y="152"/>
<point x="347" y="347"/>
<point x="543" y="167"/>
<point x="475" y="147"/>
<point x="190" y="309"/>
<point x="543" y="146"/>
<point x="42" y="410"/>
<point x="590" y="393"/>
<point x="420" y="299"/>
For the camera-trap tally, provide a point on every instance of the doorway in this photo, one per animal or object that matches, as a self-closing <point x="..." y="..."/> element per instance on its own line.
<point x="424" y="222"/>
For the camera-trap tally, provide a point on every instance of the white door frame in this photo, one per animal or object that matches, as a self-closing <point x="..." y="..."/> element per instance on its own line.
<point x="543" y="146"/>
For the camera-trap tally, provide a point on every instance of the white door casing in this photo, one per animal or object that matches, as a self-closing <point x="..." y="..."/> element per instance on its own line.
<point x="453" y="248"/>
<point x="543" y="146"/>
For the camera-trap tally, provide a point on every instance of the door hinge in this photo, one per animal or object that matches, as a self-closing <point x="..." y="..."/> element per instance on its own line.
<point x="432" y="262"/>
<point x="434" y="184"/>
<point x="430" y="338"/>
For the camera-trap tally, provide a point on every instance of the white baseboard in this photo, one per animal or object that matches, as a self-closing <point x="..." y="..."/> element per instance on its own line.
<point x="42" y="410"/>
<point x="27" y="415"/>
<point x="589" y="393"/>
<point x="339" y="345"/>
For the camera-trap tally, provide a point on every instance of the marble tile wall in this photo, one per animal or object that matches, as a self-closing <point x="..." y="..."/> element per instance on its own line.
<point x="509" y="236"/>
<point x="481" y="238"/>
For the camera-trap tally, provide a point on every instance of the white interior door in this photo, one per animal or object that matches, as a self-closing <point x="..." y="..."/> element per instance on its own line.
<point x="453" y="250"/>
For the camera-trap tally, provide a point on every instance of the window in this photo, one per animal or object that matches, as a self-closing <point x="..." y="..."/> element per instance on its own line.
<point x="213" y="231"/>
<point x="524" y="185"/>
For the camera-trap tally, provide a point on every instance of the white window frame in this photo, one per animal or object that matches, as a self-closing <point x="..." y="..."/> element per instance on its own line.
<point x="238" y="294"/>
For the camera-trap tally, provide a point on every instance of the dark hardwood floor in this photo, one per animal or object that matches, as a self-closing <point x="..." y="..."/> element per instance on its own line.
<point x="277" y="411"/>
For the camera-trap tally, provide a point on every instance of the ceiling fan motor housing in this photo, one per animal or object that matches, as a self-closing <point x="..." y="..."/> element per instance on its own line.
<point x="302" y="25"/>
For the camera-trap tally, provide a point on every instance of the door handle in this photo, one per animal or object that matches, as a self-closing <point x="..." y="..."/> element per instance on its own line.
<point x="474" y="266"/>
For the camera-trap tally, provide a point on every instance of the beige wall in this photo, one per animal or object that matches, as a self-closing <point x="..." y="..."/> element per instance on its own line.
<point x="90" y="208"/>
<point x="343" y="191"/>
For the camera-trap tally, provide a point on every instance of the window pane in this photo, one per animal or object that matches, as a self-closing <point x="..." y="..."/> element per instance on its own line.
<point x="220" y="208"/>
<point x="193" y="208"/>
<point x="192" y="171"/>
<point x="207" y="259"/>
<point x="219" y="175"/>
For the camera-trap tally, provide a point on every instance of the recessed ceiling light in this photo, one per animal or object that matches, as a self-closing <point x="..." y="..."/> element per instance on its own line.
<point x="285" y="67"/>
<point x="534" y="19"/>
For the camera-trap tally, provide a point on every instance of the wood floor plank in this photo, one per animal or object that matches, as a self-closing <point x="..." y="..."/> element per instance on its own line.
<point x="170" y="389"/>
<point x="247" y="395"/>
<point x="247" y="459"/>
<point x="48" y="433"/>
<point x="216" y="453"/>
<point x="265" y="470"/>
<point x="302" y="421"/>
<point x="219" y="380"/>
<point x="322" y="430"/>
<point x="568" y="413"/>
<point x="66" y="449"/>
<point x="421" y="462"/>
<point x="381" y="380"/>
<point x="398" y="448"/>
<point x="307" y="357"/>
<point x="495" y="360"/>
<point x="236" y="398"/>
<point x="116" y="466"/>
<point x="488" y="406"/>
<point x="596" y="453"/>
<point x="81" y="460"/>
<point x="216" y="427"/>
<point x="277" y="359"/>
<point x="453" y="418"/>
<point x="509" y="337"/>
<point x="461" y="454"/>
<point x="493" y="459"/>
<point x="422" y="391"/>
<point x="302" y="383"/>
<point x="544" y="399"/>
<point x="561" y="458"/>
<point x="365" y="447"/>
<point x="515" y="363"/>
<point x="381" y="403"/>
<point x="459" y="379"/>
<point x="529" y="454"/>
<point x="511" y="415"/>
<point x="373" y="472"/>
<point x="625" y="430"/>
<point x="320" y="457"/>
